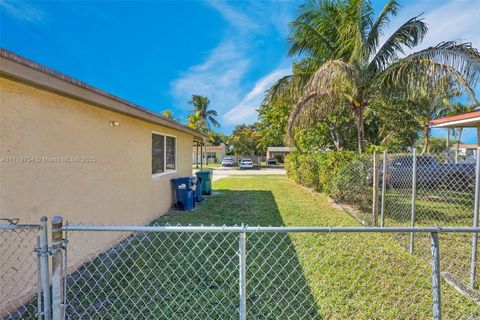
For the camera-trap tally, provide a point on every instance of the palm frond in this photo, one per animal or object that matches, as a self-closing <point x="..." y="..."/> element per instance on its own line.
<point x="306" y="40"/>
<point x="461" y="56"/>
<point x="316" y="30"/>
<point x="313" y="107"/>
<point x="211" y="121"/>
<point x="390" y="9"/>
<point x="333" y="73"/>
<point x="408" y="35"/>
<point x="289" y="87"/>
<point x="418" y="76"/>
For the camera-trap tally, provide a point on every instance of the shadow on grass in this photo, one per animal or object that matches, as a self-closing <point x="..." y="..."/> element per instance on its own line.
<point x="196" y="275"/>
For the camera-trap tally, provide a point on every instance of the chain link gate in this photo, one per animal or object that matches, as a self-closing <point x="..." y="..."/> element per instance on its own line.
<point x="20" y="270"/>
<point x="176" y="272"/>
<point x="29" y="285"/>
<point x="239" y="272"/>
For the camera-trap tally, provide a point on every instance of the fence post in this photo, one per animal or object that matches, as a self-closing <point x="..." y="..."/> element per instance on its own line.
<point x="414" y="194"/>
<point x="47" y="311"/>
<point x="436" y="288"/>
<point x="39" y="279"/>
<point x="375" y="188"/>
<point x="58" y="311"/>
<point x="473" y="267"/>
<point x="243" y="275"/>
<point x="384" y="186"/>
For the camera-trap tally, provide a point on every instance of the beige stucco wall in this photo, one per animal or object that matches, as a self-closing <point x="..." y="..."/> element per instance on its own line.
<point x="116" y="188"/>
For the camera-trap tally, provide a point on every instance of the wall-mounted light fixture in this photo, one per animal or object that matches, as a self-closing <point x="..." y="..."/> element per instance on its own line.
<point x="114" y="124"/>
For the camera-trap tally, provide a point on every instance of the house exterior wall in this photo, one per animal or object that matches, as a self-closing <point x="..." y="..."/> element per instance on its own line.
<point x="113" y="184"/>
<point x="219" y="155"/>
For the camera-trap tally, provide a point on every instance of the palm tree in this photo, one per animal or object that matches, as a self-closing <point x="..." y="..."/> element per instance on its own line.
<point x="354" y="67"/>
<point x="201" y="113"/>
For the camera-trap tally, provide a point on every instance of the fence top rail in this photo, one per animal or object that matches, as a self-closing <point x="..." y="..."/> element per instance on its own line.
<point x="19" y="226"/>
<point x="260" y="229"/>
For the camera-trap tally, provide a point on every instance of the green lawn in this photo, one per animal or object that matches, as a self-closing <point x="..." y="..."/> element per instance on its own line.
<point x="207" y="166"/>
<point x="294" y="276"/>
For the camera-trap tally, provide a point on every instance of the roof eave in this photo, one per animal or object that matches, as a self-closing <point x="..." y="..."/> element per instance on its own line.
<point x="18" y="68"/>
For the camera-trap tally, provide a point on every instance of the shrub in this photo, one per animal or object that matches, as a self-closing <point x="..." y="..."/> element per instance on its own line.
<point x="345" y="176"/>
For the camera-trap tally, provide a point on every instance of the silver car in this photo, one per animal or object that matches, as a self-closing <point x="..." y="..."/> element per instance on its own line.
<point x="227" y="162"/>
<point x="246" y="163"/>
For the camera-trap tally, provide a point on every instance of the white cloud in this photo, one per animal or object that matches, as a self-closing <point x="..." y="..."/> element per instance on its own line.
<point x="218" y="77"/>
<point x="446" y="21"/>
<point x="224" y="75"/>
<point x="22" y="11"/>
<point x="245" y="111"/>
<point x="240" y="21"/>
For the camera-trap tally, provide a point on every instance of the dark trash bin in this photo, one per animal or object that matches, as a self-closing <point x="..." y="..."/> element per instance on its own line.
<point x="198" y="190"/>
<point x="184" y="193"/>
<point x="206" y="179"/>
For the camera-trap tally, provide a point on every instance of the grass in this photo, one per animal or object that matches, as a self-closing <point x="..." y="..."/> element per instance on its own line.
<point x="295" y="276"/>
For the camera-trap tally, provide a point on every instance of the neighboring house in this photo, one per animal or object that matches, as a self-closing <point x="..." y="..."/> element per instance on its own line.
<point x="463" y="120"/>
<point x="69" y="149"/>
<point x="465" y="150"/>
<point x="278" y="152"/>
<point x="211" y="154"/>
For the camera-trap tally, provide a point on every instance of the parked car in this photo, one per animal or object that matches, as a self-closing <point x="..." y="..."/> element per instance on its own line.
<point x="271" y="161"/>
<point x="430" y="173"/>
<point x="246" y="163"/>
<point x="228" y="162"/>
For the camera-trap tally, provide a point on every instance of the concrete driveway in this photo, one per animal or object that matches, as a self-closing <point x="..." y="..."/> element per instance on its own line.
<point x="223" y="172"/>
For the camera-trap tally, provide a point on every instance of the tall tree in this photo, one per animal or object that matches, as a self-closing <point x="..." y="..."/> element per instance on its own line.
<point x="355" y="67"/>
<point x="205" y="116"/>
<point x="245" y="140"/>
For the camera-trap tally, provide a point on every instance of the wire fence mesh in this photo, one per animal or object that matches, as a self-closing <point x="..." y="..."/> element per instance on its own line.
<point x="444" y="190"/>
<point x="18" y="271"/>
<point x="289" y="275"/>
<point x="435" y="189"/>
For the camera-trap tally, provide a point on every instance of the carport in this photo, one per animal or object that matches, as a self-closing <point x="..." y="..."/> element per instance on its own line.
<point x="463" y="120"/>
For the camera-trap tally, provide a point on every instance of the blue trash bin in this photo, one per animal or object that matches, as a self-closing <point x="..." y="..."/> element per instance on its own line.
<point x="198" y="190"/>
<point x="185" y="193"/>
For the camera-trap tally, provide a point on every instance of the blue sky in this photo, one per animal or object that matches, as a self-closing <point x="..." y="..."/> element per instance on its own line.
<point x="158" y="53"/>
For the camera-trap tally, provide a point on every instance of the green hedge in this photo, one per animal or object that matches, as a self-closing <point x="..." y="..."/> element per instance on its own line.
<point x="345" y="176"/>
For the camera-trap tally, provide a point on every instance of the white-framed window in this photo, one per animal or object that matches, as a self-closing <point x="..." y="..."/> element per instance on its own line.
<point x="164" y="154"/>
<point x="211" y="155"/>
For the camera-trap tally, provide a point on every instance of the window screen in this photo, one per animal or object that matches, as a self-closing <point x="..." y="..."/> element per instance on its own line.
<point x="158" y="153"/>
<point x="170" y="153"/>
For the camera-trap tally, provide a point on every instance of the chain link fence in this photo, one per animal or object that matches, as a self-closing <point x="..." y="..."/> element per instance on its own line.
<point x="19" y="265"/>
<point x="410" y="189"/>
<point x="430" y="189"/>
<point x="175" y="272"/>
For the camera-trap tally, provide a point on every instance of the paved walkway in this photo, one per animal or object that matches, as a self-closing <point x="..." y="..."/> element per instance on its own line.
<point x="224" y="172"/>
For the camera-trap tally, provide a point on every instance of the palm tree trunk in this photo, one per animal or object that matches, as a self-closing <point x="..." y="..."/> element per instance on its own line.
<point x="460" y="130"/>
<point x="448" y="139"/>
<point x="426" y="139"/>
<point x="358" y="111"/>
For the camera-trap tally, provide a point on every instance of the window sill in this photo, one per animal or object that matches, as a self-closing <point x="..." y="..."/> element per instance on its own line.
<point x="157" y="176"/>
